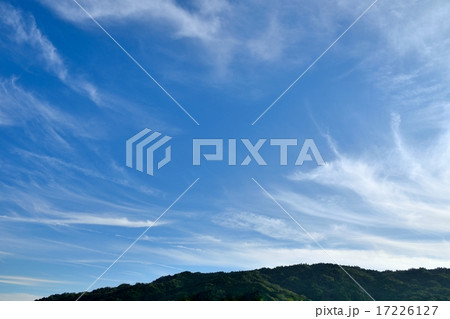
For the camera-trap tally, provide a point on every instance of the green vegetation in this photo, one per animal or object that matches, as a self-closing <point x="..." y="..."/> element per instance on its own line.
<point x="299" y="282"/>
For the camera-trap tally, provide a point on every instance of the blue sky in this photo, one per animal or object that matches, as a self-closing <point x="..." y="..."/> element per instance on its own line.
<point x="376" y="106"/>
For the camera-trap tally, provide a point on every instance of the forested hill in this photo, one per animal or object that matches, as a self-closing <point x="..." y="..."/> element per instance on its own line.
<point x="299" y="282"/>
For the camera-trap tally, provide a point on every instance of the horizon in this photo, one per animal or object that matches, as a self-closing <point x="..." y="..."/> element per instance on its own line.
<point x="184" y="282"/>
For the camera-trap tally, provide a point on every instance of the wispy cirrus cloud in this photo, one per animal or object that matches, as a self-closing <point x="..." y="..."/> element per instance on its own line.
<point x="19" y="107"/>
<point x="229" y="31"/>
<point x="415" y="30"/>
<point x="39" y="204"/>
<point x="268" y="226"/>
<point x="200" y="23"/>
<point x="22" y="30"/>
<point x="406" y="187"/>
<point x="251" y="253"/>
<point x="273" y="31"/>
<point x="23" y="34"/>
<point x="84" y="219"/>
<point x="400" y="179"/>
<point x="28" y="281"/>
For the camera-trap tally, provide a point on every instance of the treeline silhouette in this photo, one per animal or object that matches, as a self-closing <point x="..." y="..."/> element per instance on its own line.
<point x="298" y="282"/>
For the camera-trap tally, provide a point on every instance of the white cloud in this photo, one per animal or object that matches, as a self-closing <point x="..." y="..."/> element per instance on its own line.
<point x="227" y="30"/>
<point x="22" y="30"/>
<point x="84" y="219"/>
<point x="404" y="49"/>
<point x="204" y="22"/>
<point x="404" y="184"/>
<point x="35" y="203"/>
<point x="417" y="27"/>
<point x="407" y="187"/>
<point x="268" y="226"/>
<point x="199" y="23"/>
<point x="19" y="107"/>
<point x="271" y="44"/>
<point x="331" y="208"/>
<point x="27" y="281"/>
<point x="251" y="255"/>
<point x="286" y="31"/>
